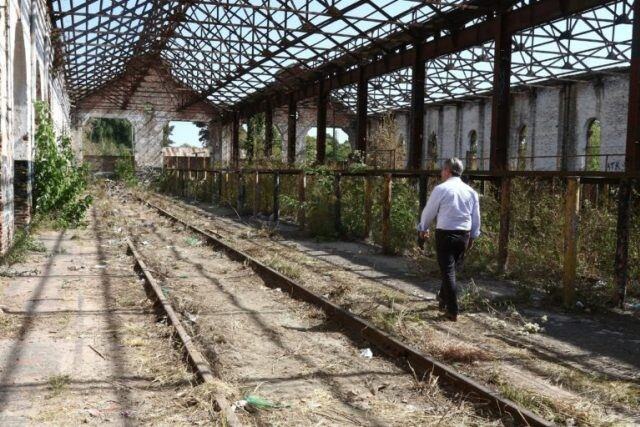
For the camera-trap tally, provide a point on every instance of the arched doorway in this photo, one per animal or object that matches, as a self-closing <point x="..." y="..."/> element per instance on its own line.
<point x="472" y="153"/>
<point x="432" y="151"/>
<point x="594" y="142"/>
<point x="20" y="128"/>
<point x="522" y="148"/>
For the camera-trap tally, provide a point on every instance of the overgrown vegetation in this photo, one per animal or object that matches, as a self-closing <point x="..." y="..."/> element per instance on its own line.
<point x="60" y="182"/>
<point x="23" y="242"/>
<point x="536" y="232"/>
<point x="124" y="170"/>
<point x="107" y="137"/>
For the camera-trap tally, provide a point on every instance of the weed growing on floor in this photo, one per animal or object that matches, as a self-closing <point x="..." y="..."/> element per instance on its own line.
<point x="57" y="384"/>
<point x="23" y="243"/>
<point x="288" y="269"/>
<point x="124" y="171"/>
<point x="60" y="183"/>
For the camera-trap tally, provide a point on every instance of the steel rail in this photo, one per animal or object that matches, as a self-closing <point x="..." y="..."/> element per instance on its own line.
<point x="194" y="357"/>
<point x="415" y="362"/>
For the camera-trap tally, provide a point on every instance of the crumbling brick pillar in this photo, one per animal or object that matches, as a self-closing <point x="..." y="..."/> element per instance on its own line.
<point x="22" y="192"/>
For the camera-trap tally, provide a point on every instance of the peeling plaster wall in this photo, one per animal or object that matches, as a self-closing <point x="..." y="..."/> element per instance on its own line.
<point x="25" y="59"/>
<point x="556" y="116"/>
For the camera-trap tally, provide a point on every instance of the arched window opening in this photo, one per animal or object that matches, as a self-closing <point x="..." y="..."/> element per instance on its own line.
<point x="338" y="148"/>
<point x="20" y="202"/>
<point x="39" y="92"/>
<point x="594" y="142"/>
<point x="522" y="148"/>
<point x="472" y="153"/>
<point x="432" y="151"/>
<point x="20" y="125"/>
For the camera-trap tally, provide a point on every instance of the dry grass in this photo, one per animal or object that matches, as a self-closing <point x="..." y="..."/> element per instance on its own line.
<point x="458" y="352"/>
<point x="9" y="325"/>
<point x="56" y="384"/>
<point x="288" y="269"/>
<point x="578" y="411"/>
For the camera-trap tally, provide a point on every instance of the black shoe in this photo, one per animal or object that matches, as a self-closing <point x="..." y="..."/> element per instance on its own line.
<point x="450" y="317"/>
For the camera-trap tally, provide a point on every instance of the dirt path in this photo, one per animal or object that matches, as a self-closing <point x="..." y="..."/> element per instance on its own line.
<point x="79" y="342"/>
<point x="267" y="344"/>
<point x="577" y="368"/>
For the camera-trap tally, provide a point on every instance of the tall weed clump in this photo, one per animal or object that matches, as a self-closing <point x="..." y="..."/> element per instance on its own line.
<point x="60" y="182"/>
<point x="352" y="206"/>
<point x="124" y="170"/>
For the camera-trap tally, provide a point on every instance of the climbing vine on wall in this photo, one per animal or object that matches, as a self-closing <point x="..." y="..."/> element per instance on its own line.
<point x="60" y="183"/>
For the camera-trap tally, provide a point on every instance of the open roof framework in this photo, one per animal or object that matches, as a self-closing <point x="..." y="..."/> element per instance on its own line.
<point x="240" y="52"/>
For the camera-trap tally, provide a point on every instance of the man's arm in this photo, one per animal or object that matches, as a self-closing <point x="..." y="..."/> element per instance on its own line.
<point x="430" y="211"/>
<point x="475" y="220"/>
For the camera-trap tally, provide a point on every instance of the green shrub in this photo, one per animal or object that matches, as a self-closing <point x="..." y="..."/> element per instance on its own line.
<point x="60" y="183"/>
<point x="124" y="170"/>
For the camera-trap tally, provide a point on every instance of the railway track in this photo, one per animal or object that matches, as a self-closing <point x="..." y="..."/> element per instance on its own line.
<point x="413" y="361"/>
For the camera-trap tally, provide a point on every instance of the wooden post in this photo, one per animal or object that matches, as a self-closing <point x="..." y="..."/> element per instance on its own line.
<point x="368" y="205"/>
<point x="337" y="208"/>
<point x="226" y="188"/>
<point x="571" y="222"/>
<point x="621" y="266"/>
<point x="386" y="214"/>
<point x="505" y="220"/>
<point x="276" y="197"/>
<point x="302" y="188"/>
<point x="256" y="193"/>
<point x="240" y="195"/>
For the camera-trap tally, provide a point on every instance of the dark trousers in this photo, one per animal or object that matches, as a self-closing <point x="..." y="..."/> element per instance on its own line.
<point x="450" y="248"/>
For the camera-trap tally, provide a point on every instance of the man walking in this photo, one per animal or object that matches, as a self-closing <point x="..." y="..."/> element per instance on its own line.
<point x="457" y="209"/>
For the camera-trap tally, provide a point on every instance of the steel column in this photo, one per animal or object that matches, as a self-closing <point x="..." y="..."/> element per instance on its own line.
<point x="633" y="122"/>
<point x="291" y="131"/>
<point x="416" y="138"/>
<point x="501" y="99"/>
<point x="268" y="131"/>
<point x="361" y="114"/>
<point x="321" y="125"/>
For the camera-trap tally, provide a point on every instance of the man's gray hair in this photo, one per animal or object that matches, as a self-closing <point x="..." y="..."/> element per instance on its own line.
<point x="455" y="165"/>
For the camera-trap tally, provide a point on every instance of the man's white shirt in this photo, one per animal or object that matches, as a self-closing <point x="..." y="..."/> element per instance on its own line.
<point x="456" y="207"/>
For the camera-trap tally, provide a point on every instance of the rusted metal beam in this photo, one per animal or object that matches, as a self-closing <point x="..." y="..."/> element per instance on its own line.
<point x="195" y="358"/>
<point x="151" y="43"/>
<point x="361" y="114"/>
<point x="292" y="118"/>
<point x="632" y="162"/>
<point x="501" y="100"/>
<point x="321" y="126"/>
<point x="513" y="21"/>
<point x="416" y="136"/>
